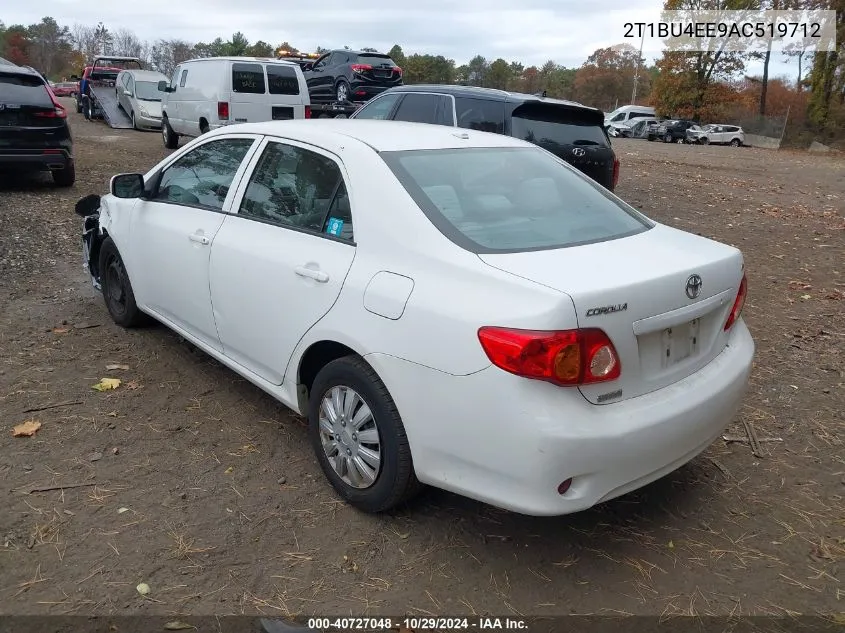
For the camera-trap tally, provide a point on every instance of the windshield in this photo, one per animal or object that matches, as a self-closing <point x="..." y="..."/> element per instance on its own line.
<point x="374" y="59"/>
<point x="506" y="199"/>
<point x="147" y="90"/>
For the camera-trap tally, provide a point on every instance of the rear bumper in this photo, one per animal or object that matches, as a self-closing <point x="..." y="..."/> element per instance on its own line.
<point x="364" y="90"/>
<point x="510" y="442"/>
<point x="37" y="159"/>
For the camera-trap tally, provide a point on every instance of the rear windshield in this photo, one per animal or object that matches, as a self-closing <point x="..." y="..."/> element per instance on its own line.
<point x="504" y="199"/>
<point x="552" y="127"/>
<point x="375" y="60"/>
<point x="248" y="78"/>
<point x="282" y="80"/>
<point x="23" y="90"/>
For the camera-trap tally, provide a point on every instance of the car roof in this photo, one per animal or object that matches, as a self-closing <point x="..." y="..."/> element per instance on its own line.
<point x="233" y="58"/>
<point x="21" y="70"/>
<point x="382" y="136"/>
<point x="351" y="52"/>
<point x="492" y="94"/>
<point x="144" y="74"/>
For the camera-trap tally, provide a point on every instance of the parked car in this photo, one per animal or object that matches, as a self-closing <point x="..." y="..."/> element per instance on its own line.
<point x="717" y="133"/>
<point x="674" y="130"/>
<point x="639" y="128"/>
<point x="65" y="89"/>
<point x="569" y="130"/>
<point x="463" y="310"/>
<point x="343" y="75"/>
<point x="635" y="128"/>
<point x="205" y="94"/>
<point x="34" y="133"/>
<point x="628" y="113"/>
<point x="138" y="96"/>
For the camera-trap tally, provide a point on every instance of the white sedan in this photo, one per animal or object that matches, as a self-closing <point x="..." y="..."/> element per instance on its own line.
<point x="447" y="307"/>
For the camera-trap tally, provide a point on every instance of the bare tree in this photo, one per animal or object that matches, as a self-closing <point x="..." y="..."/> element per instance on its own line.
<point x="165" y="55"/>
<point x="126" y="43"/>
<point x="86" y="40"/>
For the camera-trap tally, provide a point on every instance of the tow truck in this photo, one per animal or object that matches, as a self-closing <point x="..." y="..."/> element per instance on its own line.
<point x="335" y="110"/>
<point x="97" y="98"/>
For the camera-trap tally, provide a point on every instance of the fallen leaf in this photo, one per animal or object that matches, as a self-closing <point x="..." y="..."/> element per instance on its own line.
<point x="805" y="297"/>
<point x="671" y="545"/>
<point x="133" y="385"/>
<point x="106" y="384"/>
<point x="176" y="625"/>
<point x="26" y="429"/>
<point x="114" y="367"/>
<point x="229" y="470"/>
<point x="60" y="330"/>
<point x="95" y="457"/>
<point x="143" y="589"/>
<point x="122" y="510"/>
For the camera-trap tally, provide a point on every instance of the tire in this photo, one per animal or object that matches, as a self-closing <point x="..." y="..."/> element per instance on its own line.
<point x="65" y="177"/>
<point x="341" y="91"/>
<point x="204" y="127"/>
<point x="88" y="108"/>
<point x="667" y="138"/>
<point x="704" y="140"/>
<point x="134" y="123"/>
<point x="117" y="289"/>
<point x="394" y="479"/>
<point x="168" y="136"/>
<point x="679" y="140"/>
<point x="735" y="143"/>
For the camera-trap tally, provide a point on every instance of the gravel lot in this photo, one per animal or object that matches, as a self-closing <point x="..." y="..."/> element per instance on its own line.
<point x="204" y="488"/>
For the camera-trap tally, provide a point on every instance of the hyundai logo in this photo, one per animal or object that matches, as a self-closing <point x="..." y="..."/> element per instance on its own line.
<point x="693" y="288"/>
<point x="578" y="151"/>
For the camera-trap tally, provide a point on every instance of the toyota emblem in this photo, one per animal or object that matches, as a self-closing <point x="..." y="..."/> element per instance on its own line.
<point x="578" y="151"/>
<point x="693" y="288"/>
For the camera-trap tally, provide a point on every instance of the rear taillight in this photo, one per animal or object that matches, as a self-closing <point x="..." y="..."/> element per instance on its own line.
<point x="396" y="69"/>
<point x="569" y="357"/>
<point x="739" y="303"/>
<point x="361" y="67"/>
<point x="307" y="112"/>
<point x="58" y="111"/>
<point x="223" y="110"/>
<point x="615" y="172"/>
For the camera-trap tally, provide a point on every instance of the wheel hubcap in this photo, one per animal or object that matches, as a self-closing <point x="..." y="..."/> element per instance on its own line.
<point x="350" y="437"/>
<point x="116" y="291"/>
<point x="164" y="132"/>
<point x="341" y="92"/>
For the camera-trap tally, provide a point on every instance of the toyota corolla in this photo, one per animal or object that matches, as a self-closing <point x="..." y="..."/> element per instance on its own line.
<point x="446" y="307"/>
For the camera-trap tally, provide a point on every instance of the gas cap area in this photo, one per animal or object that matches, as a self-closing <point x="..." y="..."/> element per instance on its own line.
<point x="387" y="294"/>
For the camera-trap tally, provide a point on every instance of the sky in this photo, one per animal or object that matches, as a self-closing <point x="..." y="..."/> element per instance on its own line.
<point x="566" y="31"/>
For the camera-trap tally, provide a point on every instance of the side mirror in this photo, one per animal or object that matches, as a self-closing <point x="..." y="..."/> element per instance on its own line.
<point x="127" y="186"/>
<point x="89" y="205"/>
<point x="308" y="66"/>
<point x="163" y="86"/>
<point x="127" y="93"/>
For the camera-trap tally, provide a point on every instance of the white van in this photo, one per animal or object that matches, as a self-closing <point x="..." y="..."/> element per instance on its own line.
<point x="205" y="94"/>
<point x="625" y="114"/>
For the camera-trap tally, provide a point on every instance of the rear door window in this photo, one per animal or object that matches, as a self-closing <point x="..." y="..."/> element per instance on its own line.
<point x="248" y="78"/>
<point x="23" y="90"/>
<point x="551" y="127"/>
<point x="483" y="115"/>
<point x="375" y="60"/>
<point x="282" y="80"/>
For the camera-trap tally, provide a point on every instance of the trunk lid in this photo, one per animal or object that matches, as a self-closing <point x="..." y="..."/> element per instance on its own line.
<point x="635" y="289"/>
<point x="572" y="133"/>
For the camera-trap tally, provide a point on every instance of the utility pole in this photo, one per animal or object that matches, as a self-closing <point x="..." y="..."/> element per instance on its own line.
<point x="637" y="71"/>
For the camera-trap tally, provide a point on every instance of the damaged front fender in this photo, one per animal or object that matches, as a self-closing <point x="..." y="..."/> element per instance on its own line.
<point x="92" y="237"/>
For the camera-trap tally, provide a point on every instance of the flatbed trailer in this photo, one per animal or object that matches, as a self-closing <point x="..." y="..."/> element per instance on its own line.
<point x="99" y="96"/>
<point x="336" y="110"/>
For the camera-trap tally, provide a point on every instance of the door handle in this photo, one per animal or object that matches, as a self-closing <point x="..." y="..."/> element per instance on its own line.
<point x="199" y="239"/>
<point x="317" y="275"/>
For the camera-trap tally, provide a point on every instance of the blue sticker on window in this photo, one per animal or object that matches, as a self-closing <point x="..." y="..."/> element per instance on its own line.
<point x="334" y="226"/>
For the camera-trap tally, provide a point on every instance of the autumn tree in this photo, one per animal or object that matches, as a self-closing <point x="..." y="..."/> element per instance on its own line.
<point x="687" y="76"/>
<point x="397" y="55"/>
<point x="16" y="44"/>
<point x="608" y="76"/>
<point x="827" y="78"/>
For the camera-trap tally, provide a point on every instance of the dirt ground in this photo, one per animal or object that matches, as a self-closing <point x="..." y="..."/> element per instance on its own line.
<point x="201" y="486"/>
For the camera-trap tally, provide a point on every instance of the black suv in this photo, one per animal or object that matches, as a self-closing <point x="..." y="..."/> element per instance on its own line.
<point x="350" y="76"/>
<point x="569" y="130"/>
<point x="671" y="131"/>
<point x="34" y="133"/>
